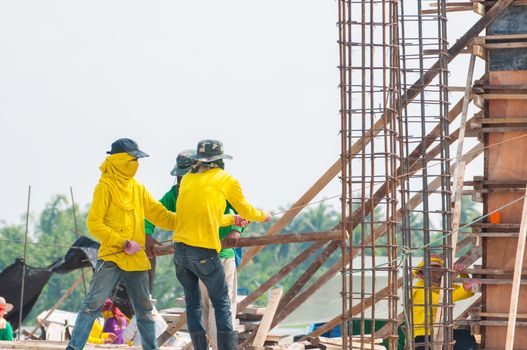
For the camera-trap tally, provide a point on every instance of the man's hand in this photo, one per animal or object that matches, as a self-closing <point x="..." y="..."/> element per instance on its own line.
<point x="239" y="221"/>
<point x="268" y="217"/>
<point x="473" y="285"/>
<point x="150" y="243"/>
<point x="131" y="247"/>
<point x="231" y="239"/>
<point x="111" y="338"/>
<point x="458" y="267"/>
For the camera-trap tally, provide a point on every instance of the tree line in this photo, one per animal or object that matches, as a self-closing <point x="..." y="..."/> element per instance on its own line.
<point x="55" y="228"/>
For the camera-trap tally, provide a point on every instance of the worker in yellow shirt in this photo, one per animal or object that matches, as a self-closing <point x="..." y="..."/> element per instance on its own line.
<point x="423" y="326"/>
<point x="97" y="336"/>
<point x="120" y="204"/>
<point x="201" y="203"/>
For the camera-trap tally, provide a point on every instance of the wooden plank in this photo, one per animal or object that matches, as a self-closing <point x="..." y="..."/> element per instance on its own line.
<point x="479" y="51"/>
<point x="503" y="120"/>
<point x="486" y="281"/>
<point x="478" y="8"/>
<point x="515" y="294"/>
<point x="498" y="314"/>
<point x="504" y="96"/>
<point x="498" y="46"/>
<point x="463" y="121"/>
<point x="265" y="325"/>
<point x="483" y="39"/>
<point x="479" y="271"/>
<point x="267" y="240"/>
<point x="448" y="9"/>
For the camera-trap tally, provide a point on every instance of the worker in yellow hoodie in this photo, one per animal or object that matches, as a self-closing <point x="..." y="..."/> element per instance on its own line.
<point x="201" y="202"/>
<point x="423" y="326"/>
<point x="119" y="206"/>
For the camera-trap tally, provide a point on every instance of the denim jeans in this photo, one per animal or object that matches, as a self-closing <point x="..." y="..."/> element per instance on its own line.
<point x="106" y="277"/>
<point x="193" y="264"/>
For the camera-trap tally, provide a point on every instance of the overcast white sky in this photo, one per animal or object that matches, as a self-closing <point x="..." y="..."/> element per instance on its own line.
<point x="259" y="75"/>
<point x="74" y="76"/>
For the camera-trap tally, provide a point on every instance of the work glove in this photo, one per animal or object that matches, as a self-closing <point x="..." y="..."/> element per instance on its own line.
<point x="472" y="286"/>
<point x="239" y="221"/>
<point x="131" y="247"/>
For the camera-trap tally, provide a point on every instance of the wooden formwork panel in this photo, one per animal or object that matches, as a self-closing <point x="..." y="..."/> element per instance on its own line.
<point x="505" y="161"/>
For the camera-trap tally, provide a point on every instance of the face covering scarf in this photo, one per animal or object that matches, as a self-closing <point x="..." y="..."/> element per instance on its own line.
<point x="118" y="171"/>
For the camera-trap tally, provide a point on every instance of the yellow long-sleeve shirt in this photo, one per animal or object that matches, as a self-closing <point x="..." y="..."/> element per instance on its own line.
<point x="97" y="336"/>
<point x="459" y="293"/>
<point x="201" y="204"/>
<point x="113" y="226"/>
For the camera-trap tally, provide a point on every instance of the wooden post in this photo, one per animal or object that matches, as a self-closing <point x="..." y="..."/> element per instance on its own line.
<point x="515" y="292"/>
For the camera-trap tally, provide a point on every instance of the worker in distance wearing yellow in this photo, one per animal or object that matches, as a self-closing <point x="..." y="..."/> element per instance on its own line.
<point x="201" y="203"/>
<point x="422" y="330"/>
<point x="119" y="206"/>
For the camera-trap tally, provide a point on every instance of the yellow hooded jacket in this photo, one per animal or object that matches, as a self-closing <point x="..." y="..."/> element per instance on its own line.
<point x="118" y="209"/>
<point x="201" y="204"/>
<point x="418" y="299"/>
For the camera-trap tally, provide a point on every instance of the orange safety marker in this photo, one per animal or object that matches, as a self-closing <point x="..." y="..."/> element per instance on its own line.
<point x="495" y="218"/>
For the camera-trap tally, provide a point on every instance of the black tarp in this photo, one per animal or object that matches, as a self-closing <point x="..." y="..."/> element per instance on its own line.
<point x="83" y="253"/>
<point x="11" y="287"/>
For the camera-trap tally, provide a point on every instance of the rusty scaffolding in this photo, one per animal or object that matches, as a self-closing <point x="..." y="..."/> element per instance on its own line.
<point x="369" y="90"/>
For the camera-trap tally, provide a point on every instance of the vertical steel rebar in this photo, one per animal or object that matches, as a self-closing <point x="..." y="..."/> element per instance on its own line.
<point x="77" y="235"/>
<point x="23" y="281"/>
<point x="423" y="42"/>
<point x="369" y="84"/>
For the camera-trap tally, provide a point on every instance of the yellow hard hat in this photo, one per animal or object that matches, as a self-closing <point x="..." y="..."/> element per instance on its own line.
<point x="434" y="260"/>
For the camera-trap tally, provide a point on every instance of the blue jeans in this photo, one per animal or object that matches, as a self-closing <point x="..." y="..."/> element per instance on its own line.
<point x="193" y="264"/>
<point x="106" y="277"/>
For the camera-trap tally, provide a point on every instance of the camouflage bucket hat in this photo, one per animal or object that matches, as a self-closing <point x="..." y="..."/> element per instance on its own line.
<point x="210" y="150"/>
<point x="184" y="162"/>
